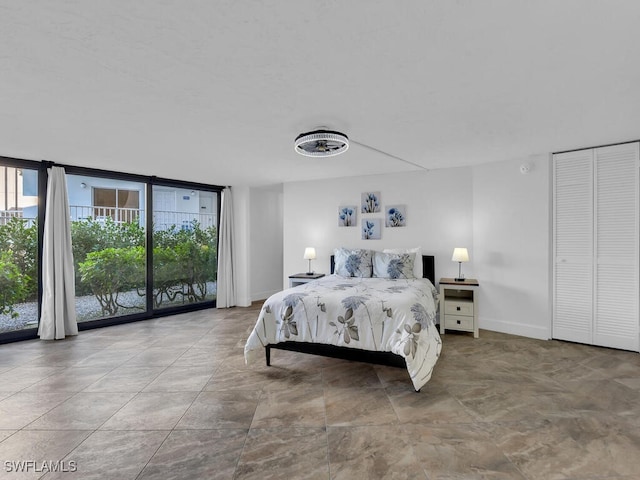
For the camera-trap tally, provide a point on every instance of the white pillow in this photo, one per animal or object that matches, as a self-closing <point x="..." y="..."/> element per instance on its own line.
<point x="353" y="263"/>
<point x="393" y="265"/>
<point x="417" y="261"/>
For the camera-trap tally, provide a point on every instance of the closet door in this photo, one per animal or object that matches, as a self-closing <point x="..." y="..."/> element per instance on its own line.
<point x="596" y="293"/>
<point x="573" y="246"/>
<point x="616" y="319"/>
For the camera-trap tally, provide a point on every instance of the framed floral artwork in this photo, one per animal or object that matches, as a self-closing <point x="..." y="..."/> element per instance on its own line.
<point x="395" y="216"/>
<point x="371" y="228"/>
<point x="370" y="202"/>
<point x="347" y="216"/>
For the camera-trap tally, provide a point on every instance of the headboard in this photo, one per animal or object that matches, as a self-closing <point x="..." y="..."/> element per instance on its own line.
<point x="428" y="267"/>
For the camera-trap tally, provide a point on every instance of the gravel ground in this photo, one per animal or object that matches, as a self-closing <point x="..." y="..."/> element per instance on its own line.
<point x="87" y="308"/>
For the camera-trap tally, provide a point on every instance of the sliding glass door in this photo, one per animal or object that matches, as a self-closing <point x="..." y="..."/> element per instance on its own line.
<point x="18" y="246"/>
<point x="129" y="264"/>
<point x="108" y="233"/>
<point x="185" y="239"/>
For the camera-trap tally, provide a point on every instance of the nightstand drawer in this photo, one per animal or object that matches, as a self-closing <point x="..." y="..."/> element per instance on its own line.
<point x="457" y="322"/>
<point x="458" y="307"/>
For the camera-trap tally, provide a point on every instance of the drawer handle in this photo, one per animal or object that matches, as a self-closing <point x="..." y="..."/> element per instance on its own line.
<point x="458" y="308"/>
<point x="458" y="322"/>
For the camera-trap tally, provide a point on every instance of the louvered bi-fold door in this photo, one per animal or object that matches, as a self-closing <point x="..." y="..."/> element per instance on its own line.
<point x="573" y="246"/>
<point x="596" y="270"/>
<point x="616" y="320"/>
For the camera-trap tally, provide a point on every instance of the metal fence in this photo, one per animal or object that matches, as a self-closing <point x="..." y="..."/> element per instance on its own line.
<point x="118" y="215"/>
<point x="162" y="220"/>
<point x="7" y="215"/>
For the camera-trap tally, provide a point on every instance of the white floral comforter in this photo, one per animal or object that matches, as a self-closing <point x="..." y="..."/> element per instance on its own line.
<point x="367" y="313"/>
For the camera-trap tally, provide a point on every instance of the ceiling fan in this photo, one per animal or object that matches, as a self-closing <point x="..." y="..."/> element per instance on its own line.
<point x="321" y="143"/>
<point x="328" y="143"/>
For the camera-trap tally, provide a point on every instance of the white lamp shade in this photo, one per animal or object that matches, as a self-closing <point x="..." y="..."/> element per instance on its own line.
<point x="460" y="255"/>
<point x="309" y="253"/>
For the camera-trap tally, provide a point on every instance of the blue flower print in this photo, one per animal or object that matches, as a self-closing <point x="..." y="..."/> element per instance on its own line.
<point x="346" y="216"/>
<point x="395" y="218"/>
<point x="293" y="299"/>
<point x="352" y="265"/>
<point x="367" y="230"/>
<point x="396" y="289"/>
<point x="353" y="302"/>
<point x="420" y="315"/>
<point x="370" y="203"/>
<point x="395" y="267"/>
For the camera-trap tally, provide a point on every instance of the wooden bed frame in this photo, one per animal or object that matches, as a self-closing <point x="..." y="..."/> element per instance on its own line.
<point x="356" y="354"/>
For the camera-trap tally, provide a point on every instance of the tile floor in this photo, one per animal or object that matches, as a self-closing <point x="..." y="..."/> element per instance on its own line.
<point x="171" y="398"/>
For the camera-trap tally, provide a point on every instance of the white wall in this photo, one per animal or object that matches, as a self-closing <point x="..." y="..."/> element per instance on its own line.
<point x="439" y="217"/>
<point x="498" y="213"/>
<point x="511" y="233"/>
<point x="265" y="205"/>
<point x="258" y="237"/>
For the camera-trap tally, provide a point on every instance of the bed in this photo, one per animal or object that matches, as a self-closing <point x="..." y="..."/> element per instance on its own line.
<point x="377" y="320"/>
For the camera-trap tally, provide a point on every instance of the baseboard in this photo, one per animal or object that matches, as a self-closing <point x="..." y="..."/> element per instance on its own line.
<point x="512" y="328"/>
<point x="262" y="295"/>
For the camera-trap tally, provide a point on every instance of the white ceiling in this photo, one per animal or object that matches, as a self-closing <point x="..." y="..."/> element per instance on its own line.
<point x="216" y="91"/>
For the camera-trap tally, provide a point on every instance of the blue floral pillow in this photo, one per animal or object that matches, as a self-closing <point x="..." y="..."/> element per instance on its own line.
<point x="393" y="265"/>
<point x="353" y="263"/>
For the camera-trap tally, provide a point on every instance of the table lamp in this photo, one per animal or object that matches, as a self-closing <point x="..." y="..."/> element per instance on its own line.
<point x="460" y="255"/>
<point x="309" y="254"/>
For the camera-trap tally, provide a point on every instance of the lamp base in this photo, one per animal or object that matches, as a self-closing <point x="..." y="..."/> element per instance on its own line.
<point x="309" y="273"/>
<point x="458" y="279"/>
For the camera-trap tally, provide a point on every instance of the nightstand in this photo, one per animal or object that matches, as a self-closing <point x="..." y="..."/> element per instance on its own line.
<point x="459" y="305"/>
<point x="300" y="278"/>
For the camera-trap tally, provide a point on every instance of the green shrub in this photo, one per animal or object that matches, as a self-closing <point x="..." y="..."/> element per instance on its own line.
<point x="92" y="236"/>
<point x="184" y="260"/>
<point x="13" y="285"/>
<point x="111" y="259"/>
<point x="111" y="271"/>
<point x="19" y="241"/>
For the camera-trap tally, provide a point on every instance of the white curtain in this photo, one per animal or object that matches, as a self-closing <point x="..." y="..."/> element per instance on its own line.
<point x="226" y="296"/>
<point x="58" y="312"/>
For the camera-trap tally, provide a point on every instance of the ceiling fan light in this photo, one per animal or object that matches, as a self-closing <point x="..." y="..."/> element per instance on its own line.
<point x="321" y="143"/>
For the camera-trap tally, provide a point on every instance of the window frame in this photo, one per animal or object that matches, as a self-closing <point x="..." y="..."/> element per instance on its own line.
<point x="150" y="182"/>
<point x="41" y="168"/>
